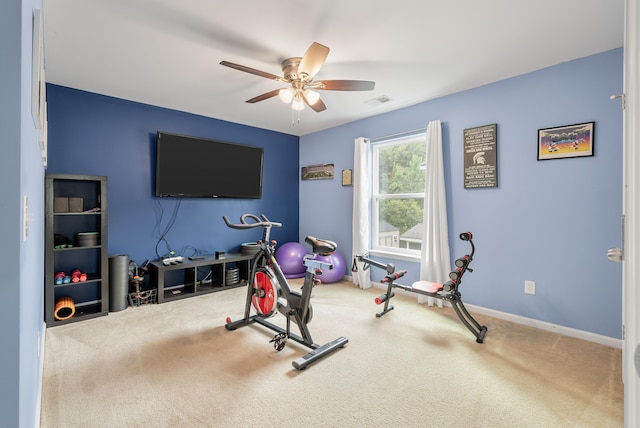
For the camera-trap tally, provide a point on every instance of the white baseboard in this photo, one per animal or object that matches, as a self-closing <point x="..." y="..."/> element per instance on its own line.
<point x="530" y="322"/>
<point x="542" y="325"/>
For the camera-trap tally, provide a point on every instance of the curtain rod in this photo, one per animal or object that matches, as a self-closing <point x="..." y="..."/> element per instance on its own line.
<point x="400" y="134"/>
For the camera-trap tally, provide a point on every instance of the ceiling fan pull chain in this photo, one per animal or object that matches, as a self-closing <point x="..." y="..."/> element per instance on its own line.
<point x="293" y="117"/>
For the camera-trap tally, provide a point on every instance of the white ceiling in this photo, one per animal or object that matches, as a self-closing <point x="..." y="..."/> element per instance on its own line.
<point x="167" y="52"/>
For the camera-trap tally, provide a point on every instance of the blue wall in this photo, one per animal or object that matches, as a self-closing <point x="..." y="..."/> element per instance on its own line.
<point x="22" y="258"/>
<point x="548" y="221"/>
<point x="10" y="164"/>
<point x="99" y="135"/>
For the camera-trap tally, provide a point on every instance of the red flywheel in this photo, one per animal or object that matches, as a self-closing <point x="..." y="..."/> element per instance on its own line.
<point x="265" y="295"/>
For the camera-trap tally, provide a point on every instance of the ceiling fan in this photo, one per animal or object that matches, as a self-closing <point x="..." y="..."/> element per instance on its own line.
<point x="298" y="73"/>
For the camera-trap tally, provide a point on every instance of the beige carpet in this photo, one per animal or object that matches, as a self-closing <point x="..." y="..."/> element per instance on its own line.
<point x="175" y="365"/>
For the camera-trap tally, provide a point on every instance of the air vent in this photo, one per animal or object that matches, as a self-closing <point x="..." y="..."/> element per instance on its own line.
<point x="379" y="100"/>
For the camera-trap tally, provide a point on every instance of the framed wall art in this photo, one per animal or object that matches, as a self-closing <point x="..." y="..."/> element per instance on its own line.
<point x="481" y="157"/>
<point x="347" y="177"/>
<point x="38" y="88"/>
<point x="568" y="141"/>
<point x="317" y="172"/>
<point x="37" y="97"/>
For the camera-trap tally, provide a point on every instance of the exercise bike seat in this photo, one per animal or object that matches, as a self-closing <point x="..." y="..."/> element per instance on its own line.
<point x="321" y="246"/>
<point x="431" y="288"/>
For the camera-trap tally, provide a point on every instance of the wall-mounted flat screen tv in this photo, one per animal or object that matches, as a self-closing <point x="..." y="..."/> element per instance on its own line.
<point x="194" y="167"/>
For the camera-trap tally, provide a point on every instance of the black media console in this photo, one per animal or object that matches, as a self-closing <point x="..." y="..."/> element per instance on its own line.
<point x="200" y="276"/>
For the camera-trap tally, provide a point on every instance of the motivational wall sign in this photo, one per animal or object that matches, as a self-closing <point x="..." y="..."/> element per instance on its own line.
<point x="480" y="157"/>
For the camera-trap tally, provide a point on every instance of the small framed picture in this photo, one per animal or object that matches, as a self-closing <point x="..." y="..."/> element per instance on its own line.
<point x="317" y="172"/>
<point x="568" y="141"/>
<point x="347" y="177"/>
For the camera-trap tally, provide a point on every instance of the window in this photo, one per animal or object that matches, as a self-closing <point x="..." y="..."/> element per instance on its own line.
<point x="397" y="199"/>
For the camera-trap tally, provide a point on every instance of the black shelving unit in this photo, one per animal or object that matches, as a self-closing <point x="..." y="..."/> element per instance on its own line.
<point x="75" y="238"/>
<point x="194" y="277"/>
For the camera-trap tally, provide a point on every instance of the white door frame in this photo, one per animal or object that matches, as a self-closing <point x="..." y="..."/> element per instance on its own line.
<point x="631" y="212"/>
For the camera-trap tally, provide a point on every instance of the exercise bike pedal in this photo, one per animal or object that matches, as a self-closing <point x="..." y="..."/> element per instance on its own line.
<point x="279" y="341"/>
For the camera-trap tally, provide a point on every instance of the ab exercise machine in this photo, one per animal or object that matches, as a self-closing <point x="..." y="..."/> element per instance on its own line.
<point x="269" y="291"/>
<point x="447" y="291"/>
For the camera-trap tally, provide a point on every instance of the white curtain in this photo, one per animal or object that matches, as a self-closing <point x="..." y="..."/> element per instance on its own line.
<point x="361" y="217"/>
<point x="435" y="260"/>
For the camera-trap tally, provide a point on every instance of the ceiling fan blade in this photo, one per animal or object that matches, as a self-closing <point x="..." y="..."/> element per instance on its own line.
<point x="264" y="96"/>
<point x="345" y="85"/>
<point x="250" y="70"/>
<point x="317" y="106"/>
<point x="312" y="61"/>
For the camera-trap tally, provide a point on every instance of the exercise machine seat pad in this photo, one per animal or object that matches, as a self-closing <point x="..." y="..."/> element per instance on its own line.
<point x="428" y="286"/>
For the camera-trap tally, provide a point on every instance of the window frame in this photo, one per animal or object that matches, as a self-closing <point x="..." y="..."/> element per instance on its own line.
<point x="376" y="197"/>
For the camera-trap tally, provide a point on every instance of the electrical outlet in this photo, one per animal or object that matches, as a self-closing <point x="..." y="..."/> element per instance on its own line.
<point x="530" y="287"/>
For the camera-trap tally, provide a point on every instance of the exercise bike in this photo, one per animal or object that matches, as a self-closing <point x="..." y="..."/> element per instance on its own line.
<point x="269" y="292"/>
<point x="447" y="291"/>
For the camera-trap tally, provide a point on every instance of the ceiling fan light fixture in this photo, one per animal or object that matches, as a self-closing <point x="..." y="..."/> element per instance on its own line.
<point x="311" y="96"/>
<point x="297" y="103"/>
<point x="286" y="95"/>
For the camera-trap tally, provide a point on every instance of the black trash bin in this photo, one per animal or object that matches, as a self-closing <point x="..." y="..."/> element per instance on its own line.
<point x="118" y="282"/>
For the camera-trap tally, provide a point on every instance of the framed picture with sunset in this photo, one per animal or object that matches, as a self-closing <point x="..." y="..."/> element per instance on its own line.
<point x="568" y="141"/>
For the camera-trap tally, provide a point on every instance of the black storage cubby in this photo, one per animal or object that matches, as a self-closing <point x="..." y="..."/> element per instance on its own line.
<point x="76" y="204"/>
<point x="194" y="277"/>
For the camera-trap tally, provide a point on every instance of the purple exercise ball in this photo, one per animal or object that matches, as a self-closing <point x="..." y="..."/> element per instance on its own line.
<point x="339" y="268"/>
<point x="290" y="257"/>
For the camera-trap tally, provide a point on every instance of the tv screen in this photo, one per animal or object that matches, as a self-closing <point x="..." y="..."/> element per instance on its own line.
<point x="200" y="168"/>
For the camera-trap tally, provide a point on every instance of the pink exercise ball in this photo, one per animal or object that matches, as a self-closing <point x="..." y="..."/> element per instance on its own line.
<point x="290" y="257"/>
<point x="338" y="271"/>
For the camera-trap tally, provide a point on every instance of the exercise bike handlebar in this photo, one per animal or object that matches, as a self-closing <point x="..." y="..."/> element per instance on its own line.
<point x="256" y="221"/>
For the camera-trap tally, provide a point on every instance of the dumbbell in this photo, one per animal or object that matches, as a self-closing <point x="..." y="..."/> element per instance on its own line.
<point x="77" y="276"/>
<point x="62" y="278"/>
